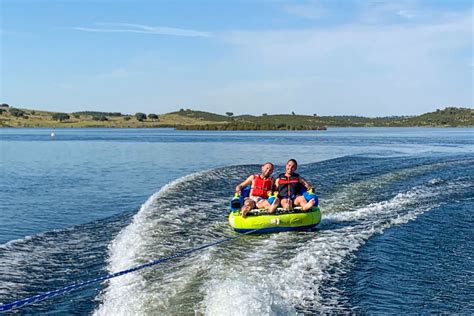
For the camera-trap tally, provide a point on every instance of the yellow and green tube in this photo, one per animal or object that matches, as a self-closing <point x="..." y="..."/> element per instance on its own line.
<point x="266" y="223"/>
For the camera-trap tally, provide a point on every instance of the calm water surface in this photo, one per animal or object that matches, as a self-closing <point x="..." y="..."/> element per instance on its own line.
<point x="396" y="203"/>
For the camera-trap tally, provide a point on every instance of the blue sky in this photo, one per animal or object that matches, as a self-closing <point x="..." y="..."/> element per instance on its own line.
<point x="339" y="57"/>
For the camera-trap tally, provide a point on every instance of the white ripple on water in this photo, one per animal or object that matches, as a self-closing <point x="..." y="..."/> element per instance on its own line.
<point x="126" y="295"/>
<point x="271" y="279"/>
<point x="307" y="279"/>
<point x="351" y="195"/>
<point x="23" y="262"/>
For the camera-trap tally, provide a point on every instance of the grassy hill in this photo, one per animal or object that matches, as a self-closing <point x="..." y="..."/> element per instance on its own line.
<point x="265" y="122"/>
<point x="449" y="117"/>
<point x="199" y="120"/>
<point x="13" y="117"/>
<point x="201" y="116"/>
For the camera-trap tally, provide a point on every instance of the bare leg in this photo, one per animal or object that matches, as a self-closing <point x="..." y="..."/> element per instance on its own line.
<point x="309" y="205"/>
<point x="274" y="205"/>
<point x="248" y="205"/>
<point x="263" y="204"/>
<point x="286" y="204"/>
<point x="270" y="207"/>
<point x="305" y="205"/>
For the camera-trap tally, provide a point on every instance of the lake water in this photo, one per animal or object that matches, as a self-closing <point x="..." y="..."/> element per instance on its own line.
<point x="396" y="234"/>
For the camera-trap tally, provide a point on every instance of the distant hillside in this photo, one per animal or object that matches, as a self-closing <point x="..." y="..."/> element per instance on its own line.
<point x="449" y="117"/>
<point x="264" y="122"/>
<point x="20" y="117"/>
<point x="202" y="116"/>
<point x="199" y="120"/>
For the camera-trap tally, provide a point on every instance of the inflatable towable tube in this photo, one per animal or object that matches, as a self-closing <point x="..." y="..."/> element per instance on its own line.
<point x="282" y="220"/>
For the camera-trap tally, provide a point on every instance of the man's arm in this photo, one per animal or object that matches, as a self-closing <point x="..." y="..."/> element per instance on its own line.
<point x="306" y="184"/>
<point x="276" y="184"/>
<point x="245" y="183"/>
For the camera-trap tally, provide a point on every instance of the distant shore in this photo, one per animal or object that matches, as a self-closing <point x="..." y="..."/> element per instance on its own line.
<point x="199" y="120"/>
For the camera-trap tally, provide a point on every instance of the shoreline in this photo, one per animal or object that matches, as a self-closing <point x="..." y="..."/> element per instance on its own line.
<point x="198" y="120"/>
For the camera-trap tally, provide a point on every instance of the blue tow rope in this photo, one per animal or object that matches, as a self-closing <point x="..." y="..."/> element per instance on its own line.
<point x="75" y="286"/>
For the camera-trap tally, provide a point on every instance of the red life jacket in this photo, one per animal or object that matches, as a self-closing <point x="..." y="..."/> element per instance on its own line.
<point x="261" y="186"/>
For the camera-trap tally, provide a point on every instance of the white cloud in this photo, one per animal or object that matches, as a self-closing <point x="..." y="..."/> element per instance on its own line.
<point x="382" y="12"/>
<point x="391" y="69"/>
<point x="351" y="69"/>
<point x="138" y="28"/>
<point x="390" y="44"/>
<point x="408" y="14"/>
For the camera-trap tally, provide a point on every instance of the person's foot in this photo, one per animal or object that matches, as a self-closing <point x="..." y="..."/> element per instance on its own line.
<point x="248" y="205"/>
<point x="244" y="211"/>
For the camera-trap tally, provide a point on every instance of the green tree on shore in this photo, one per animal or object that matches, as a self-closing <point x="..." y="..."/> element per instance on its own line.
<point x="16" y="112"/>
<point x="140" y="116"/>
<point x="60" y="117"/>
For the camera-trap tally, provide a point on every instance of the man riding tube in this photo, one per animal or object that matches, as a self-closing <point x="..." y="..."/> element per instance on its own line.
<point x="261" y="191"/>
<point x="290" y="185"/>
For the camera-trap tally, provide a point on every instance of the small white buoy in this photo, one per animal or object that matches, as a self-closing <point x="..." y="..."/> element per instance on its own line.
<point x="52" y="134"/>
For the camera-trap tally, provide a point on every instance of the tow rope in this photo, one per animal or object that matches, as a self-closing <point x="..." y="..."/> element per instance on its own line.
<point x="78" y="285"/>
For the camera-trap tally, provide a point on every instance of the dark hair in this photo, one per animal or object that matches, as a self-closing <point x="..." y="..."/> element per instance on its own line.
<point x="296" y="164"/>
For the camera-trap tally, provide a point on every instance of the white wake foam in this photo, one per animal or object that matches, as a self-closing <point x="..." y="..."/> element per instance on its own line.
<point x="304" y="277"/>
<point x="125" y="295"/>
<point x="275" y="275"/>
